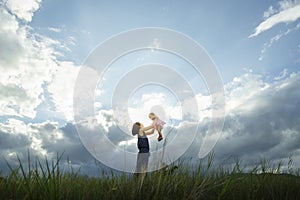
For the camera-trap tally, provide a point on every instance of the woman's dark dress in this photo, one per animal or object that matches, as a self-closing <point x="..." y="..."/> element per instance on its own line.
<point x="143" y="155"/>
<point x="143" y="144"/>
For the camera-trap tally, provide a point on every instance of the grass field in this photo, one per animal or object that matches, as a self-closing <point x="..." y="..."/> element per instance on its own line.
<point x="48" y="181"/>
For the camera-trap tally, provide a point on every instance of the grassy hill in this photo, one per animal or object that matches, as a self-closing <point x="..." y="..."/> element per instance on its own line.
<point x="173" y="182"/>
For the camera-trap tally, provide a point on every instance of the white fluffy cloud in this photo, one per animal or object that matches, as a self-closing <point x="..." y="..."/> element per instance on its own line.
<point x="28" y="65"/>
<point x="61" y="88"/>
<point x="22" y="61"/>
<point x="289" y="11"/>
<point x="241" y="90"/>
<point x="23" y="10"/>
<point x="31" y="74"/>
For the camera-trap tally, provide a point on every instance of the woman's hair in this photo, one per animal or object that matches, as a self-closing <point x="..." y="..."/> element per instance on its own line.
<point x="136" y="128"/>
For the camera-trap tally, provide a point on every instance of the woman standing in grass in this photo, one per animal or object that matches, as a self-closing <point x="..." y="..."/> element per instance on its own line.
<point x="143" y="145"/>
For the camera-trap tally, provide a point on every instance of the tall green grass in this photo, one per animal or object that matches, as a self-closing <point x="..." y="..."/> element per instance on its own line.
<point x="46" y="180"/>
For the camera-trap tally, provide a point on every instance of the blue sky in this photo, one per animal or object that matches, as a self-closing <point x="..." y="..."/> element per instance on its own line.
<point x="254" y="44"/>
<point x="222" y="29"/>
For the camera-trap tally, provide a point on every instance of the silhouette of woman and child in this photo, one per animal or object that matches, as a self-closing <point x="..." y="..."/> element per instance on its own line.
<point x="143" y="144"/>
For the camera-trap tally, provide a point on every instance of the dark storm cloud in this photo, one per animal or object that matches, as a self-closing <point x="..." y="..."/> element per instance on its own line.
<point x="13" y="144"/>
<point x="270" y="129"/>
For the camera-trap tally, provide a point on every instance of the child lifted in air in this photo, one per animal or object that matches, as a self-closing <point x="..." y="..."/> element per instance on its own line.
<point x="157" y="124"/>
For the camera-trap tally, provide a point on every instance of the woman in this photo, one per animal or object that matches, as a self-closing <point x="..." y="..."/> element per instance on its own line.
<point x="143" y="145"/>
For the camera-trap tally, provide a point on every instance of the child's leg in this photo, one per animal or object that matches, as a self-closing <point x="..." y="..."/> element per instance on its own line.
<point x="160" y="137"/>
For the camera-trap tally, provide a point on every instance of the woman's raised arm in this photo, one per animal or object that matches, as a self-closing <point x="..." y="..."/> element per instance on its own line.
<point x="146" y="128"/>
<point x="149" y="132"/>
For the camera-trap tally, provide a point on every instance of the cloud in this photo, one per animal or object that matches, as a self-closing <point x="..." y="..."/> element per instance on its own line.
<point x="44" y="139"/>
<point x="264" y="122"/>
<point x="286" y="4"/>
<point x="155" y="44"/>
<point x="19" y="95"/>
<point x="274" y="39"/>
<point x="241" y="90"/>
<point x="24" y="10"/>
<point x="32" y="73"/>
<point x="261" y="121"/>
<point x="29" y="66"/>
<point x="10" y="48"/>
<point x="290" y="12"/>
<point x="53" y="29"/>
<point x="21" y="62"/>
<point x="282" y="75"/>
<point x="269" y="12"/>
<point x="61" y="88"/>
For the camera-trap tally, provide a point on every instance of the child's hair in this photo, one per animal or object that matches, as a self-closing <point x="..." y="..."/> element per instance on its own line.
<point x="136" y="128"/>
<point x="152" y="113"/>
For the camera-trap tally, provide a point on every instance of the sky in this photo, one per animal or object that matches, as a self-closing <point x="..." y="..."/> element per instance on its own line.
<point x="255" y="46"/>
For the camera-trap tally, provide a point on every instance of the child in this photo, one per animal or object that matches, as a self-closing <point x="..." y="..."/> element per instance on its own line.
<point x="157" y="124"/>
